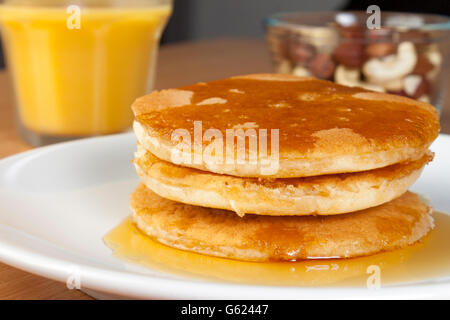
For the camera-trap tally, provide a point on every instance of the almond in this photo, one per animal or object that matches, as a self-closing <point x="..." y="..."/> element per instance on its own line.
<point x="301" y="53"/>
<point x="350" y="54"/>
<point x="381" y="49"/>
<point x="322" y="66"/>
<point x="423" y="65"/>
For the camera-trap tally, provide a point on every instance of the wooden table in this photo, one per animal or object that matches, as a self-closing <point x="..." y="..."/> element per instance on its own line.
<point x="179" y="64"/>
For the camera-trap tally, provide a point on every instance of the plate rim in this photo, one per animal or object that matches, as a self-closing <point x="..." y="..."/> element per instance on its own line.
<point x="135" y="285"/>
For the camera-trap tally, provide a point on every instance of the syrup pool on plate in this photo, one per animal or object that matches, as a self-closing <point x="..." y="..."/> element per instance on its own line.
<point x="425" y="260"/>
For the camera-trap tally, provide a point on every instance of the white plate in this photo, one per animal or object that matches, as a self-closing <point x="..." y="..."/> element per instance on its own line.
<point x="57" y="202"/>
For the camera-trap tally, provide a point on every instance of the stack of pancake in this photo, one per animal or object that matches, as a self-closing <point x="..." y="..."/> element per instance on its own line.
<point x="345" y="160"/>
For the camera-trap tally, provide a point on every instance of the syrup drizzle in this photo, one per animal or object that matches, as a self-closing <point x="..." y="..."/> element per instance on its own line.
<point x="425" y="260"/>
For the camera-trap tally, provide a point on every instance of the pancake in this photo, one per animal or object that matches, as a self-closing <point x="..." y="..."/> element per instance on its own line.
<point x="216" y="232"/>
<point x="324" y="128"/>
<point x="320" y="195"/>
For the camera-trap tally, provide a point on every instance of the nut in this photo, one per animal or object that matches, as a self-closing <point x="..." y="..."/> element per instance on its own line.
<point x="379" y="35"/>
<point x="350" y="51"/>
<point x="392" y="67"/>
<point x="284" y="67"/>
<point x="301" y="72"/>
<point x="350" y="54"/>
<point x="322" y="39"/>
<point x="424" y="98"/>
<point x="393" y="85"/>
<point x="380" y="42"/>
<point x="347" y="76"/>
<point x="435" y="58"/>
<point x="351" y="77"/>
<point x="301" y="53"/>
<point x="322" y="66"/>
<point x="381" y="49"/>
<point x="416" y="86"/>
<point x="353" y="31"/>
<point x="398" y="93"/>
<point x="423" y="65"/>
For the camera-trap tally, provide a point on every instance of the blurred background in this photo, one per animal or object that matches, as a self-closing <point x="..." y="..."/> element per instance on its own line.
<point x="203" y="19"/>
<point x="73" y="82"/>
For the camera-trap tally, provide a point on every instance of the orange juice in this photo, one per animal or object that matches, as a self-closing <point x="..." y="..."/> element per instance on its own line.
<point x="80" y="80"/>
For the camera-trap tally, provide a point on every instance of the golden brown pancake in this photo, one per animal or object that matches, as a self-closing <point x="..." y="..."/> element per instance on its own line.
<point x="324" y="128"/>
<point x="320" y="195"/>
<point x="132" y="245"/>
<point x="216" y="232"/>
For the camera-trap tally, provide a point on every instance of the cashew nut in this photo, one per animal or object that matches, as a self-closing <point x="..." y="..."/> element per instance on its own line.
<point x="434" y="56"/>
<point x="301" y="72"/>
<point x="411" y="83"/>
<point x="284" y="67"/>
<point x="425" y="98"/>
<point x="393" y="85"/>
<point x="351" y="77"/>
<point x="391" y="67"/>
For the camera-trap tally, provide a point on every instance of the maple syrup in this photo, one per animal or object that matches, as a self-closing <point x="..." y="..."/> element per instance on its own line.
<point x="328" y="106"/>
<point x="425" y="260"/>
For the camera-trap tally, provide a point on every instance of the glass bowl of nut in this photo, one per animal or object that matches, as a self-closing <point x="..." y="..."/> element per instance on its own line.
<point x="404" y="53"/>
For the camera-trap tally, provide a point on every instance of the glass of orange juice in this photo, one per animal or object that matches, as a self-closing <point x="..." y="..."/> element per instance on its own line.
<point x="78" y="65"/>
